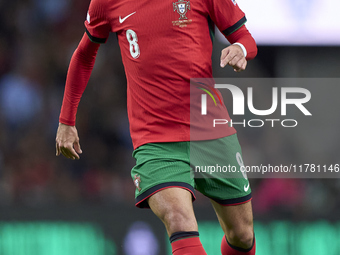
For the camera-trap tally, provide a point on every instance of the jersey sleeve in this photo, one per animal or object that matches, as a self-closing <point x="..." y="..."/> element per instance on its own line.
<point x="96" y="24"/>
<point x="78" y="75"/>
<point x="243" y="37"/>
<point x="227" y="15"/>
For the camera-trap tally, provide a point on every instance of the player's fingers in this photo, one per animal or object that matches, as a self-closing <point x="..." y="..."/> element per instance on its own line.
<point x="240" y="65"/>
<point x="238" y="56"/>
<point x="234" y="61"/>
<point x="65" y="152"/>
<point x="71" y="152"/>
<point x="224" y="53"/>
<point x="224" y="57"/>
<point x="68" y="151"/>
<point x="227" y="59"/>
<point x="57" y="149"/>
<point x="71" y="155"/>
<point x="77" y="147"/>
<point x="244" y="65"/>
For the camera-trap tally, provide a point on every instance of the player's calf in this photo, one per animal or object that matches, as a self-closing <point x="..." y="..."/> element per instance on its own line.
<point x="237" y="224"/>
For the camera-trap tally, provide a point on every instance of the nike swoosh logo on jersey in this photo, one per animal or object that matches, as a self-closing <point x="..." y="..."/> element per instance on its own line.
<point x="246" y="188"/>
<point x="121" y="20"/>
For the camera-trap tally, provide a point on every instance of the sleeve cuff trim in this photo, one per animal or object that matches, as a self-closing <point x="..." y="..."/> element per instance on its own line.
<point x="243" y="48"/>
<point x="66" y="122"/>
<point x="234" y="27"/>
<point x="95" y="39"/>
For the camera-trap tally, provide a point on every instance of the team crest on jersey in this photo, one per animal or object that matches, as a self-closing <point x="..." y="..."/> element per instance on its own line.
<point x="137" y="181"/>
<point x="182" y="8"/>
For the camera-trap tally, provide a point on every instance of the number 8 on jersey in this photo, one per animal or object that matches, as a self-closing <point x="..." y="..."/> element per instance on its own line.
<point x="131" y="36"/>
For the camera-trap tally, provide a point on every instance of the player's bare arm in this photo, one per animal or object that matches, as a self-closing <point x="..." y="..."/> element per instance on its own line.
<point x="67" y="142"/>
<point x="234" y="57"/>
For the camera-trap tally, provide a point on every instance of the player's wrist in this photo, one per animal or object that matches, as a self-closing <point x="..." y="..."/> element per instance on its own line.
<point x="65" y="124"/>
<point x="242" y="47"/>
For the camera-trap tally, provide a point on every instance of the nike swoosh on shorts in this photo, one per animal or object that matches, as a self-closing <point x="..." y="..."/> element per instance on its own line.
<point x="246" y="188"/>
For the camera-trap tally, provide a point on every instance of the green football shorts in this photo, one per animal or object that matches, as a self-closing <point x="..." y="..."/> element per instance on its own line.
<point x="213" y="167"/>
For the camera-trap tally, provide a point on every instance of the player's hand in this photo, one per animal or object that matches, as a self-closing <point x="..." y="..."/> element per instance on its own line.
<point x="233" y="56"/>
<point x="67" y="142"/>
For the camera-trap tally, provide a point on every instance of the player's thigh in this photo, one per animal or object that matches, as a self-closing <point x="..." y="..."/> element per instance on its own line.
<point x="174" y="207"/>
<point x="218" y="169"/>
<point x="235" y="219"/>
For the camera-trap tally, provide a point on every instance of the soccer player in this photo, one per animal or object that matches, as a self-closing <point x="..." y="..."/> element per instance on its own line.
<point x="163" y="45"/>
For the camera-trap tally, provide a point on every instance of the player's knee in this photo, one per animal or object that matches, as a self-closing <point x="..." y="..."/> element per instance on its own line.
<point x="177" y="219"/>
<point x="242" y="237"/>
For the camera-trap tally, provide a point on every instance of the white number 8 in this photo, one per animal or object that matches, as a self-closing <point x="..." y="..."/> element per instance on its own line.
<point x="131" y="36"/>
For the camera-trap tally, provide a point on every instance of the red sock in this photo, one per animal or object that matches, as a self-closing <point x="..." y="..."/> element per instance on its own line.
<point x="188" y="246"/>
<point x="228" y="249"/>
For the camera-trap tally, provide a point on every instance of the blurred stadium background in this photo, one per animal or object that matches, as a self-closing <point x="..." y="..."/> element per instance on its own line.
<point x="55" y="206"/>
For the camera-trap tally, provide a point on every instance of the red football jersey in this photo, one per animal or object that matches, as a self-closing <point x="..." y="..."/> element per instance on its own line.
<point x="163" y="45"/>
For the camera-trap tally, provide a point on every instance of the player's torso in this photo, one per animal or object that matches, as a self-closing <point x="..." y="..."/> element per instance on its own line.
<point x="163" y="45"/>
<point x="151" y="34"/>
